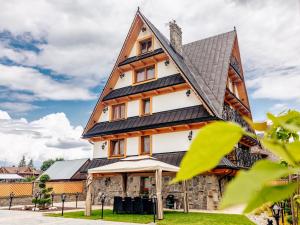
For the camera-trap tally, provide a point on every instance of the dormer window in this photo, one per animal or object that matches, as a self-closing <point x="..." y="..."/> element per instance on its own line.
<point x="118" y="112"/>
<point x="145" y="45"/>
<point x="147" y="73"/>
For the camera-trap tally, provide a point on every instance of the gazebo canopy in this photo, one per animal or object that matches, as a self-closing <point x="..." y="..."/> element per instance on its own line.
<point x="135" y="164"/>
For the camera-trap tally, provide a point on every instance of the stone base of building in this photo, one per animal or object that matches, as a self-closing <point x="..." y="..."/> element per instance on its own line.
<point x="203" y="190"/>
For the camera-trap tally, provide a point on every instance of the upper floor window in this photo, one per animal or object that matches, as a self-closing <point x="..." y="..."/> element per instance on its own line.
<point x="145" y="45"/>
<point x="117" y="148"/>
<point x="145" y="106"/>
<point x="147" y="73"/>
<point x="145" y="148"/>
<point x="118" y="112"/>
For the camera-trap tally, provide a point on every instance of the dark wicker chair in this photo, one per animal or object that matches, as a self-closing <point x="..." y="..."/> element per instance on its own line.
<point x="118" y="205"/>
<point x="137" y="205"/>
<point x="128" y="205"/>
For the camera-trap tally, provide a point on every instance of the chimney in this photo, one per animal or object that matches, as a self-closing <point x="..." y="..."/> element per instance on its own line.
<point x="175" y="36"/>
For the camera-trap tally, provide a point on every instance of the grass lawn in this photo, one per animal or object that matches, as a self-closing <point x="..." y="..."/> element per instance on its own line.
<point x="171" y="218"/>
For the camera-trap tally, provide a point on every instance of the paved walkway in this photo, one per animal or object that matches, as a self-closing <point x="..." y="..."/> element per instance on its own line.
<point x="36" y="218"/>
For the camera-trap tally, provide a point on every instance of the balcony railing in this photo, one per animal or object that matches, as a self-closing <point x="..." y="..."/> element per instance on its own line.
<point x="243" y="157"/>
<point x="230" y="114"/>
<point x="236" y="66"/>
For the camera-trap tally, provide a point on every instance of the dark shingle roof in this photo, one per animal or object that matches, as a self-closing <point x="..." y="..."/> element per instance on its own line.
<point x="172" y="158"/>
<point x="139" y="57"/>
<point x="159" y="83"/>
<point x="160" y="119"/>
<point x="203" y="63"/>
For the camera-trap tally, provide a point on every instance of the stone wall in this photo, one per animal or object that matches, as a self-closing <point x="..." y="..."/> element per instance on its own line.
<point x="203" y="191"/>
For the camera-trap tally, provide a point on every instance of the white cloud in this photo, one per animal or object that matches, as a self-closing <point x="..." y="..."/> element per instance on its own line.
<point x="17" y="107"/>
<point x="49" y="137"/>
<point x="41" y="86"/>
<point x="277" y="85"/>
<point x="4" y="115"/>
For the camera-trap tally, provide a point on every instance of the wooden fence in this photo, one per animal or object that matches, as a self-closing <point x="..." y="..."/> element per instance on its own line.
<point x="20" y="189"/>
<point x="69" y="187"/>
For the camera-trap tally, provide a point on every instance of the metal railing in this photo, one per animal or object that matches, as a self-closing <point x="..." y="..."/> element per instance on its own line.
<point x="230" y="114"/>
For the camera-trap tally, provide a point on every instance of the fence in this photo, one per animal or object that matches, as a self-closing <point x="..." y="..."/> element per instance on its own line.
<point x="19" y="189"/>
<point x="70" y="187"/>
<point x="22" y="189"/>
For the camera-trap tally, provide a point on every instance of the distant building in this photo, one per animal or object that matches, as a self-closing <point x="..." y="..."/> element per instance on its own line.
<point x="67" y="170"/>
<point x="24" y="171"/>
<point x="4" y="177"/>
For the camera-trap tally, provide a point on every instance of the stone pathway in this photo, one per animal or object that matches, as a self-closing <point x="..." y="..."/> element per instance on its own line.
<point x="35" y="218"/>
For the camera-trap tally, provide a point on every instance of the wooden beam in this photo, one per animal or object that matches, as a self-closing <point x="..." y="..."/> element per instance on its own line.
<point x="88" y="201"/>
<point x="185" y="197"/>
<point x="158" y="181"/>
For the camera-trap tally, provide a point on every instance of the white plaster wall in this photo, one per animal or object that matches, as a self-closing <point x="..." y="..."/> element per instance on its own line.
<point x="174" y="100"/>
<point x="132" y="147"/>
<point x="125" y="81"/>
<point x="104" y="116"/>
<point x="171" y="142"/>
<point x="133" y="108"/>
<point x="98" y="152"/>
<point x="163" y="70"/>
<point x="142" y="35"/>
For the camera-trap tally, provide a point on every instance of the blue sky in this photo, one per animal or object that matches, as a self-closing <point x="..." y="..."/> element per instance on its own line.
<point x="56" y="55"/>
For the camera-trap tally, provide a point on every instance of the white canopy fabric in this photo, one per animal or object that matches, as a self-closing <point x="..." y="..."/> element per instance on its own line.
<point x="135" y="164"/>
<point x="10" y="176"/>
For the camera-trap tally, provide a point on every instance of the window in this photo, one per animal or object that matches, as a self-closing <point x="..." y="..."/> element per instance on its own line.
<point x="117" y="147"/>
<point x="145" y="46"/>
<point x="144" y="74"/>
<point x="118" y="112"/>
<point x="146" y="106"/>
<point x="145" y="185"/>
<point x="145" y="145"/>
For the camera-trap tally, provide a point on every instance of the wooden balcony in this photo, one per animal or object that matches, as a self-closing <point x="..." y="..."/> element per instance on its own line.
<point x="235" y="71"/>
<point x="233" y="100"/>
<point x="139" y="61"/>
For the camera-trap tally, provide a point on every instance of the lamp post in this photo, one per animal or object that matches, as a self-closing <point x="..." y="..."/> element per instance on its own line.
<point x="76" y="198"/>
<point x="52" y="198"/>
<point x="102" y="200"/>
<point x="11" y="196"/>
<point x="276" y="213"/>
<point x="154" y="198"/>
<point x="36" y="196"/>
<point x="63" y="199"/>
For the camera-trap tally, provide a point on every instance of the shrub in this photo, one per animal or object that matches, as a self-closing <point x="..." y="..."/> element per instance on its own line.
<point x="45" y="198"/>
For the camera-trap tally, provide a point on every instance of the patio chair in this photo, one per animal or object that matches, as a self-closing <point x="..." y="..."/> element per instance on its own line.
<point x="137" y="205"/>
<point x="118" y="205"/>
<point x="128" y="205"/>
<point x="147" y="206"/>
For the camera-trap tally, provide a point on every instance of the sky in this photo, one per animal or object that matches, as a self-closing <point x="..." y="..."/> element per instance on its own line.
<point x="55" y="57"/>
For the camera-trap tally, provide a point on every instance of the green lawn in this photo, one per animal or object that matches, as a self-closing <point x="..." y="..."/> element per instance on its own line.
<point x="171" y="218"/>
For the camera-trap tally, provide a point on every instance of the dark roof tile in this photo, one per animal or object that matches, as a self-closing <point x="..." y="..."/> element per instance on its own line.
<point x="160" y="119"/>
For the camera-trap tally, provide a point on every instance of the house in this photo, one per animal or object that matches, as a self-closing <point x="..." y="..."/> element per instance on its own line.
<point x="24" y="171"/>
<point x="159" y="94"/>
<point x="6" y="177"/>
<point x="66" y="170"/>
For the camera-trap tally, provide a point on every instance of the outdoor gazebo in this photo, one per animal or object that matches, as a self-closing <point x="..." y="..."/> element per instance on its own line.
<point x="135" y="165"/>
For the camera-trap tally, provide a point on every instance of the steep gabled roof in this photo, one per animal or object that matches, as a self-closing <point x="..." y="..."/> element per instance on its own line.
<point x="207" y="74"/>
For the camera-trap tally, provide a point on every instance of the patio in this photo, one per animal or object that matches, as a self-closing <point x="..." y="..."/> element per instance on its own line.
<point x="135" y="204"/>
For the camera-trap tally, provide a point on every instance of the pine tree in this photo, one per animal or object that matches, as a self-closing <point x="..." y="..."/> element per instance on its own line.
<point x="22" y="162"/>
<point x="30" y="164"/>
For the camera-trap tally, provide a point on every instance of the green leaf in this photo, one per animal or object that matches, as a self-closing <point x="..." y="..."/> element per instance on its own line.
<point x="290" y="152"/>
<point x="270" y="194"/>
<point x="260" y="126"/>
<point x="212" y="143"/>
<point x="289" y="120"/>
<point x="247" y="183"/>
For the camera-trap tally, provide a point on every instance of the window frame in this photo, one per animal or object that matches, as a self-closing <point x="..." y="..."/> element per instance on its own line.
<point x="112" y="111"/>
<point x="141" y="145"/>
<point x="142" y="106"/>
<point x="145" y="39"/>
<point x="145" y="74"/>
<point x="111" y="146"/>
